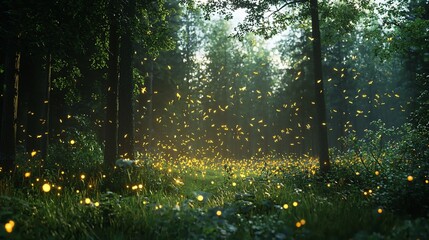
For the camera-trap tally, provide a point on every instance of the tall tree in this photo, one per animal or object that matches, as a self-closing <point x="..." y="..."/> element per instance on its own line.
<point x="220" y="70"/>
<point x="126" y="84"/>
<point x="319" y="90"/>
<point x="10" y="94"/>
<point x="111" y="121"/>
<point x="38" y="105"/>
<point x="10" y="105"/>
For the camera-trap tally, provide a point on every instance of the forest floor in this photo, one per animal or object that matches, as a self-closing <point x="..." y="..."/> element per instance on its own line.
<point x="200" y="199"/>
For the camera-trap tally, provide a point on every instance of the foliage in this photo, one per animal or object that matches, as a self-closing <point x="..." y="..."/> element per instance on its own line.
<point x="420" y="117"/>
<point x="142" y="175"/>
<point x="390" y="166"/>
<point x="79" y="150"/>
<point x="276" y="198"/>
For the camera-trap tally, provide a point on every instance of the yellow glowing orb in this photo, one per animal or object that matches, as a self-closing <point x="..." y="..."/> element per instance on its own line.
<point x="302" y="222"/>
<point x="96" y="204"/>
<point x="218" y="213"/>
<point x="285" y="206"/>
<point x="200" y="198"/>
<point x="295" y="204"/>
<point x="380" y="210"/>
<point x="27" y="174"/>
<point x="87" y="200"/>
<point x="410" y="178"/>
<point x="377" y="173"/>
<point x="46" y="187"/>
<point x="72" y="142"/>
<point x="9" y="226"/>
<point x="33" y="153"/>
<point x="82" y="176"/>
<point x="298" y="224"/>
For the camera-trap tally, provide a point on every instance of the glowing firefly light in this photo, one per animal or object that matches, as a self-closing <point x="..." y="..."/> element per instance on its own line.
<point x="46" y="187"/>
<point x="9" y="226"/>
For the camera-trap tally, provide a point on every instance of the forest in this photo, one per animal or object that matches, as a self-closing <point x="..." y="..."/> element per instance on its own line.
<point x="214" y="119"/>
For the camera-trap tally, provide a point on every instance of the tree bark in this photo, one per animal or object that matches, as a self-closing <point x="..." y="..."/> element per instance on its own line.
<point x="111" y="122"/>
<point x="38" y="107"/>
<point x="10" y="104"/>
<point x="47" y="104"/>
<point x="319" y="92"/>
<point x="2" y="77"/>
<point x="126" y="86"/>
<point x="149" y="107"/>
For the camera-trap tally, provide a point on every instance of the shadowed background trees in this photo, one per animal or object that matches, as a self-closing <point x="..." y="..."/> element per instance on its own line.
<point x="141" y="78"/>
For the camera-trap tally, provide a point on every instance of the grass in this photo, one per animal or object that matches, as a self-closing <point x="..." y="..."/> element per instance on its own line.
<point x="198" y="199"/>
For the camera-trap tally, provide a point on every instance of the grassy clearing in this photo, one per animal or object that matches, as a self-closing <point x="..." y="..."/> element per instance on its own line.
<point x="198" y="199"/>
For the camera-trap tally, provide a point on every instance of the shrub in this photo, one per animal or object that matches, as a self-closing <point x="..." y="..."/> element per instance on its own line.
<point x="76" y="152"/>
<point x="392" y="163"/>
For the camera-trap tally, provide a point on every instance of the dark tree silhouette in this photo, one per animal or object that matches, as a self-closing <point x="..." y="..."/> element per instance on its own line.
<point x="322" y="128"/>
<point x="111" y="121"/>
<point x="10" y="104"/>
<point x="126" y="85"/>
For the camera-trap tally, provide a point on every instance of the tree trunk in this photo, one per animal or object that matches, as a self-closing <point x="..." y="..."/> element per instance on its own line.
<point x="111" y="122"/>
<point x="38" y="108"/>
<point x="10" y="104"/>
<point x="47" y="104"/>
<point x="319" y="92"/>
<point x="2" y="77"/>
<point x="126" y="112"/>
<point x="149" y="107"/>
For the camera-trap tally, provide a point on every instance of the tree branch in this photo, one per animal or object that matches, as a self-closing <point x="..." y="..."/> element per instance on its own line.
<point x="284" y="5"/>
